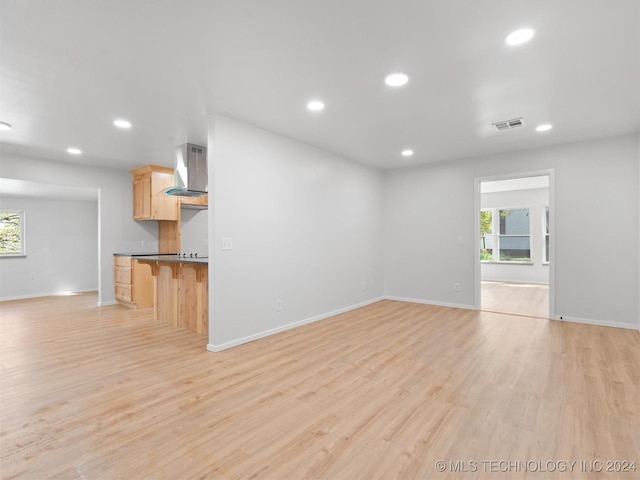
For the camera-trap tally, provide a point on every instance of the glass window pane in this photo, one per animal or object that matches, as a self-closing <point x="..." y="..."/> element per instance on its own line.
<point x="11" y="232"/>
<point x="546" y="248"/>
<point x="486" y="235"/>
<point x="546" y="221"/>
<point x="514" y="222"/>
<point x="515" y="249"/>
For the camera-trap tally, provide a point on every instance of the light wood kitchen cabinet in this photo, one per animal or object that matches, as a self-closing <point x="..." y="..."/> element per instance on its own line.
<point x="133" y="282"/>
<point x="150" y="202"/>
<point x="198" y="203"/>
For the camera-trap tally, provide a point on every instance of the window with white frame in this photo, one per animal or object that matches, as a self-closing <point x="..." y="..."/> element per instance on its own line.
<point x="505" y="235"/>
<point x="12" y="233"/>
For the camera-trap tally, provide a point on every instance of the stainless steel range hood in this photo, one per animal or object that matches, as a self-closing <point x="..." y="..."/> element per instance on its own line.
<point x="191" y="175"/>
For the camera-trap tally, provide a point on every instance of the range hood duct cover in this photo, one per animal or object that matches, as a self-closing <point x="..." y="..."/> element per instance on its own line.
<point x="191" y="174"/>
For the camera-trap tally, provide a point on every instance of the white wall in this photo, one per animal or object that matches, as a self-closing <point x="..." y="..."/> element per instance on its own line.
<point x="194" y="231"/>
<point x="117" y="231"/>
<point x="306" y="229"/>
<point x="535" y="200"/>
<point x="61" y="246"/>
<point x="596" y="228"/>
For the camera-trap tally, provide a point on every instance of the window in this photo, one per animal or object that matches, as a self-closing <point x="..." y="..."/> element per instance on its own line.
<point x="486" y="235"/>
<point x="505" y="235"/>
<point x="514" y="239"/>
<point x="11" y="233"/>
<point x="545" y="229"/>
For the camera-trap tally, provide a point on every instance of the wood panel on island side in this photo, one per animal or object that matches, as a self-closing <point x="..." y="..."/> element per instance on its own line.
<point x="181" y="293"/>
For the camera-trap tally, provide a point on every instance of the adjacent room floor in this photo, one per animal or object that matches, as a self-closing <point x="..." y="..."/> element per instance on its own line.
<point x="386" y="391"/>
<point x="526" y="299"/>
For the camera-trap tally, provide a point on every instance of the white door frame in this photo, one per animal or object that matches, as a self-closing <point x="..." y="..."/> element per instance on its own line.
<point x="552" y="231"/>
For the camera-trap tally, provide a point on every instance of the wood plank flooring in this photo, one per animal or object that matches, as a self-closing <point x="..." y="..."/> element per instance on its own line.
<point x="515" y="298"/>
<point x="382" y="392"/>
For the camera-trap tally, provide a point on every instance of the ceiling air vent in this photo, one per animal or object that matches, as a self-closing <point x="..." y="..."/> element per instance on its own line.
<point x="508" y="124"/>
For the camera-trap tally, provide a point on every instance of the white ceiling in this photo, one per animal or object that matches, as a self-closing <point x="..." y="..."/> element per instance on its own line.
<point x="511" y="184"/>
<point x="23" y="188"/>
<point x="68" y="68"/>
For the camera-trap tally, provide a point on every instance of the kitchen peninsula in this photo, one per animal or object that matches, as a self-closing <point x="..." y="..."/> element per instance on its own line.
<point x="180" y="290"/>
<point x="176" y="286"/>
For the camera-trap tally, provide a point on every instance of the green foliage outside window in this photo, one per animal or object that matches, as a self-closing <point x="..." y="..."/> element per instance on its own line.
<point x="486" y="227"/>
<point x="11" y="232"/>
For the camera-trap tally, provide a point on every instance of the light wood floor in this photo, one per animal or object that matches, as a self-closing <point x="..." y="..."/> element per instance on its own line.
<point x="382" y="392"/>
<point x="515" y="298"/>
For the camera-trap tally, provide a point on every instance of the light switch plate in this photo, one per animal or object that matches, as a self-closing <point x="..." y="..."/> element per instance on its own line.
<point x="227" y="243"/>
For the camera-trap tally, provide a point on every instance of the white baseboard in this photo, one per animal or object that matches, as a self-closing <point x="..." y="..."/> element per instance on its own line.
<point x="234" y="343"/>
<point x="430" y="302"/>
<point x="40" y="295"/>
<point x="266" y="333"/>
<point x="598" y="323"/>
<point x="107" y="303"/>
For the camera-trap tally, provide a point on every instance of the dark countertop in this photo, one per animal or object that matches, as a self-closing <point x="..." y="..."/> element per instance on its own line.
<point x="172" y="259"/>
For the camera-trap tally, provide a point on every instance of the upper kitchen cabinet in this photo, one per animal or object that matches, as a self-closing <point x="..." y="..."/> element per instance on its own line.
<point x="150" y="202"/>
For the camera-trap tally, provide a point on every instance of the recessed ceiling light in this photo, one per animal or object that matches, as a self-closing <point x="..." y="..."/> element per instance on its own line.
<point x="5" y="126"/>
<point x="122" y="123"/>
<point x="544" y="127"/>
<point x="74" y="151"/>
<point x="315" y="105"/>
<point x="518" y="37"/>
<point x="407" y="152"/>
<point x="396" y="79"/>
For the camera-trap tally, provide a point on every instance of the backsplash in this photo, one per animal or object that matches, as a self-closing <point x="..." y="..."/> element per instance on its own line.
<point x="194" y="230"/>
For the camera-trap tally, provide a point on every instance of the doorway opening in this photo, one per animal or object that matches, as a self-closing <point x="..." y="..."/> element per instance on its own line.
<point x="515" y="243"/>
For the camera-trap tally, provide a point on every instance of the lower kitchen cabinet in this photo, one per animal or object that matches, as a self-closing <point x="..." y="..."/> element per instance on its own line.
<point x="133" y="282"/>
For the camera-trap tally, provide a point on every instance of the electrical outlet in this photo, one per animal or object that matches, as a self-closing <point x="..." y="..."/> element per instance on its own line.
<point x="460" y="240"/>
<point x="32" y="275"/>
<point x="145" y="243"/>
<point x="278" y="305"/>
<point x="205" y="242"/>
<point x="456" y="287"/>
<point x="364" y="286"/>
<point x="227" y="243"/>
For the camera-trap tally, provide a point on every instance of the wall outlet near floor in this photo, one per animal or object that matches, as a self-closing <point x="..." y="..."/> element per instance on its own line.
<point x="32" y="275"/>
<point x="278" y="305"/>
<point x="456" y="287"/>
<point x="364" y="286"/>
<point x="145" y="243"/>
<point x="227" y="243"/>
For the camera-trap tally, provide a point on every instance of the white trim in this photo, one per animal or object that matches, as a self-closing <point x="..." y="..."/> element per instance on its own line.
<point x="234" y="343"/>
<point x="544" y="284"/>
<point x="505" y="262"/>
<point x="40" y="295"/>
<point x="108" y="303"/>
<point x="430" y="302"/>
<point x="598" y="323"/>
